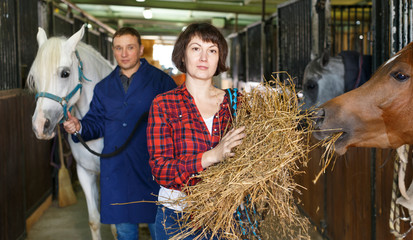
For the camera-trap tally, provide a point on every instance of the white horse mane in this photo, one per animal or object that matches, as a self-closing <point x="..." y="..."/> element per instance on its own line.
<point x="47" y="58"/>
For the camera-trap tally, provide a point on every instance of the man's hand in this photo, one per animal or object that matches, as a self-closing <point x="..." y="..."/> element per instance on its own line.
<point x="72" y="124"/>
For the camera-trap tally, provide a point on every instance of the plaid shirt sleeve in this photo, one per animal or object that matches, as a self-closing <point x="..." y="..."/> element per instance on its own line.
<point x="169" y="170"/>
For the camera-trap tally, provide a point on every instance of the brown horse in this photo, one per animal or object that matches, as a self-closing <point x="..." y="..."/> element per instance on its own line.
<point x="377" y="114"/>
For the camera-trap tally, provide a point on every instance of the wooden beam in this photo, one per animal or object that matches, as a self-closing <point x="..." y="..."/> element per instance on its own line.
<point x="90" y="17"/>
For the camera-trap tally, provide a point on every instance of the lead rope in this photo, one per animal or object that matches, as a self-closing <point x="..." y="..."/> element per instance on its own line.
<point x="247" y="218"/>
<point x="394" y="220"/>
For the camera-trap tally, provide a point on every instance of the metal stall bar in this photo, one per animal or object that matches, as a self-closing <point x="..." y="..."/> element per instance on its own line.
<point x="410" y="21"/>
<point x="351" y="27"/>
<point x="405" y="23"/>
<point x="400" y="23"/>
<point x="295" y="38"/>
<point x="8" y="46"/>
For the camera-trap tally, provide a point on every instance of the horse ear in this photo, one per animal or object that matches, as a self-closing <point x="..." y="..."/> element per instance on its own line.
<point x="325" y="58"/>
<point x="71" y="43"/>
<point x="41" y="37"/>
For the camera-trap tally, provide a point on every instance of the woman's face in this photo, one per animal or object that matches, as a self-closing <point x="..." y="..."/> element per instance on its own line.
<point x="201" y="59"/>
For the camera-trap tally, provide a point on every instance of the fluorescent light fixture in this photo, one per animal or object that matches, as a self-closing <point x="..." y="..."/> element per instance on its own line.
<point x="140" y="0"/>
<point x="147" y="13"/>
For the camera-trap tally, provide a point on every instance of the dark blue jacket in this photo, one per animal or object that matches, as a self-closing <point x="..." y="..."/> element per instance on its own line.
<point x="113" y="113"/>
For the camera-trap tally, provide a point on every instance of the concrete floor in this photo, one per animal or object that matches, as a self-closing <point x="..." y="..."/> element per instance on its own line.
<point x="71" y="223"/>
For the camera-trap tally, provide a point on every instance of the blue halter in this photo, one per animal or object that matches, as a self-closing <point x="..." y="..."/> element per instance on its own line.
<point x="65" y="100"/>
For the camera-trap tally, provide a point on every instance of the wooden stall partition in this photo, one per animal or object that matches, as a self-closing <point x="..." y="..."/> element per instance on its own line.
<point x="37" y="157"/>
<point x="25" y="173"/>
<point x="311" y="199"/>
<point x="348" y="201"/>
<point x="352" y="199"/>
<point x="339" y="204"/>
<point x="384" y="181"/>
<point x="12" y="215"/>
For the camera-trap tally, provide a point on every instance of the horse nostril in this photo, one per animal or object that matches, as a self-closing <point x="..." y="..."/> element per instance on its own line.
<point x="47" y="123"/>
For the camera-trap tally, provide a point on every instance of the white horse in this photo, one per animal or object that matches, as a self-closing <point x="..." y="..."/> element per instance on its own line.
<point x="63" y="74"/>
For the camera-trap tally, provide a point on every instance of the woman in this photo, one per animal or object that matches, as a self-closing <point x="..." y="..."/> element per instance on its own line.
<point x="186" y="125"/>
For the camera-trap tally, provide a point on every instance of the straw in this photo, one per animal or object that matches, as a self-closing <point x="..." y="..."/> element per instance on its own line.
<point x="259" y="178"/>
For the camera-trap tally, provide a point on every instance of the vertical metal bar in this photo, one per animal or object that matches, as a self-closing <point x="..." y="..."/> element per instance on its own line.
<point x="401" y="24"/>
<point x="342" y="29"/>
<point x="364" y="32"/>
<point x="392" y="29"/>
<point x="247" y="69"/>
<point x="405" y="23"/>
<point x="333" y="27"/>
<point x="373" y="158"/>
<point x="262" y="33"/>
<point x="410" y="21"/>
<point x="356" y="37"/>
<point x="399" y="14"/>
<point x="348" y="29"/>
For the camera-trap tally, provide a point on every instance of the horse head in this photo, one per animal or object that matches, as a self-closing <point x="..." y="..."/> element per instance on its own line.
<point x="54" y="75"/>
<point x="377" y="114"/>
<point x="327" y="77"/>
<point x="323" y="79"/>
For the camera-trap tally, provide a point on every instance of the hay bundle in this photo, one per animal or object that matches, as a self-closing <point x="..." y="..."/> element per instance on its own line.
<point x="259" y="177"/>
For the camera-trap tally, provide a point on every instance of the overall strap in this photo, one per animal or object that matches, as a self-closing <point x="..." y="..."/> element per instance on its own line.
<point x="233" y="100"/>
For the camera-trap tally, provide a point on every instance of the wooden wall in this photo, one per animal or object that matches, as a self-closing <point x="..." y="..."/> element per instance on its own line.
<point x="25" y="173"/>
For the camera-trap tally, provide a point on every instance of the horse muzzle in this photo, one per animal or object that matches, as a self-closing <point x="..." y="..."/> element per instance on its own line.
<point x="44" y="124"/>
<point x="324" y="131"/>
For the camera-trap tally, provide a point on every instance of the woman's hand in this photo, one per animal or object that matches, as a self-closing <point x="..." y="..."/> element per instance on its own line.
<point x="72" y="124"/>
<point x="223" y="150"/>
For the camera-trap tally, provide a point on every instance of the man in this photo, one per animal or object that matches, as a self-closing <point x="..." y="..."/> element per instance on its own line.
<point x="118" y="102"/>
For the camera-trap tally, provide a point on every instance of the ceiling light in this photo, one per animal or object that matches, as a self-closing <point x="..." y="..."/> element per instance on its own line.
<point x="140" y="0"/>
<point x="147" y="13"/>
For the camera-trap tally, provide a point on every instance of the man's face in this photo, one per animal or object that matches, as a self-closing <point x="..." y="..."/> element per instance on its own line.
<point x="127" y="52"/>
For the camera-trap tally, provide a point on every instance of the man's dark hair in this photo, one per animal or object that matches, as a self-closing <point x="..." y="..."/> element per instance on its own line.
<point x="208" y="33"/>
<point x="128" y="31"/>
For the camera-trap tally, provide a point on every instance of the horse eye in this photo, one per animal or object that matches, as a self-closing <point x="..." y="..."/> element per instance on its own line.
<point x="400" y="76"/>
<point x="65" y="74"/>
<point x="310" y="85"/>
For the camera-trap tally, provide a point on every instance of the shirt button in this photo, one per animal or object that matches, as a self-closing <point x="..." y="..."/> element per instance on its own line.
<point x="180" y="116"/>
<point x="215" y="129"/>
<point x="125" y="103"/>
<point x="124" y="124"/>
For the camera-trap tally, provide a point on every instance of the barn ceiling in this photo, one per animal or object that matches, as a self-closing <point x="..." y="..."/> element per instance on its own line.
<point x="170" y="16"/>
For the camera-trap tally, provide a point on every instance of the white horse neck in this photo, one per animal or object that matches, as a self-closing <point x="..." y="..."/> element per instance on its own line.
<point x="95" y="68"/>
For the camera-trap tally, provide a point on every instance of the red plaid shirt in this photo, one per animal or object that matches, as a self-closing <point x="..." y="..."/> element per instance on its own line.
<point x="178" y="137"/>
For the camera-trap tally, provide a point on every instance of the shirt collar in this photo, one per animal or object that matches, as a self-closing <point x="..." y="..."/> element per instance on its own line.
<point x="183" y="90"/>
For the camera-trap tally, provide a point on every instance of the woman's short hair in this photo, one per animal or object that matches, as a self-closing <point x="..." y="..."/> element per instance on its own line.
<point x="128" y="31"/>
<point x="208" y="33"/>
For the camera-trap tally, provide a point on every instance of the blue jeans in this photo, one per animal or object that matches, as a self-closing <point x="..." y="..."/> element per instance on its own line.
<point x="130" y="231"/>
<point x="167" y="225"/>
